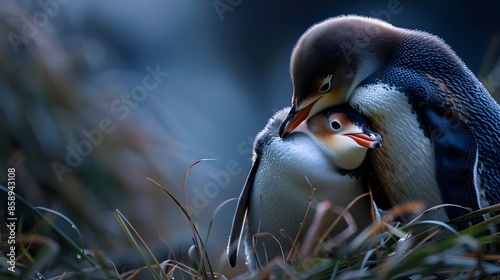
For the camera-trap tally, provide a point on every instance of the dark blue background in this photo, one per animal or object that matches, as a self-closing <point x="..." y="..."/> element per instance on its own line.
<point x="228" y="73"/>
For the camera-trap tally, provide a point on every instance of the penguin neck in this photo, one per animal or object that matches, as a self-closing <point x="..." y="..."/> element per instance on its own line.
<point x="349" y="163"/>
<point x="346" y="157"/>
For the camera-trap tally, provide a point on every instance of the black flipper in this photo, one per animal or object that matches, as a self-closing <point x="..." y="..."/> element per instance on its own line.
<point x="455" y="151"/>
<point x="240" y="215"/>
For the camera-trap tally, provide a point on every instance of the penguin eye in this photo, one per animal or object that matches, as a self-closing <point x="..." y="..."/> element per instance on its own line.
<point x="336" y="126"/>
<point x="324" y="88"/>
<point x="327" y="83"/>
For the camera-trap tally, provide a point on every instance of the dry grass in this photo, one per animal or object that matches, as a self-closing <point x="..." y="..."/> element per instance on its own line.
<point x="388" y="249"/>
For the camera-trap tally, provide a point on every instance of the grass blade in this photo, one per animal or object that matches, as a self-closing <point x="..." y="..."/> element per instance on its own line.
<point x="130" y="232"/>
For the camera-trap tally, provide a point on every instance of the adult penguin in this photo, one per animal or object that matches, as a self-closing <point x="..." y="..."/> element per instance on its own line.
<point x="439" y="124"/>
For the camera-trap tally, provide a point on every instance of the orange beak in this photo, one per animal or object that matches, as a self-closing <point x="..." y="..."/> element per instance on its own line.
<point x="368" y="141"/>
<point x="294" y="119"/>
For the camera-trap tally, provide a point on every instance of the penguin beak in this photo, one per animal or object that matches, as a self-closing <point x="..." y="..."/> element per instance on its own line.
<point x="370" y="140"/>
<point x="295" y="118"/>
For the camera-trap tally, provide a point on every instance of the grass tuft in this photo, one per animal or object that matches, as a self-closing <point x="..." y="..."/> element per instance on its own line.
<point x="41" y="248"/>
<point x="387" y="249"/>
<point x="421" y="248"/>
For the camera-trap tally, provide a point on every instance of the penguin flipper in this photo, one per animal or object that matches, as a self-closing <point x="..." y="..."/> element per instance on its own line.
<point x="240" y="215"/>
<point x="456" y="157"/>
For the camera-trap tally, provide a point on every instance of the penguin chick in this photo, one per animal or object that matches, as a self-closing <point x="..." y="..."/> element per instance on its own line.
<point x="325" y="153"/>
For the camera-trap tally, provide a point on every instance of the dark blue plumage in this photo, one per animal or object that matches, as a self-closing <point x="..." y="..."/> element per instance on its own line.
<point x="439" y="124"/>
<point x="456" y="93"/>
<point x="435" y="80"/>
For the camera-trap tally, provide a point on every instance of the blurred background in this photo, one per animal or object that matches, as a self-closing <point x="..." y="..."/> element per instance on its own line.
<point x="97" y="96"/>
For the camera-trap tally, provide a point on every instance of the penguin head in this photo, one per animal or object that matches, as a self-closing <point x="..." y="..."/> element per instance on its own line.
<point x="330" y="60"/>
<point x="342" y="134"/>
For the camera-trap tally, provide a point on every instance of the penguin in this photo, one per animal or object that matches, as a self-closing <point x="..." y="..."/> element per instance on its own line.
<point x="325" y="153"/>
<point x="439" y="124"/>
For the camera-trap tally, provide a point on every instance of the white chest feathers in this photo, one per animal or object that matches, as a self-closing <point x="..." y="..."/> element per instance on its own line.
<point x="286" y="166"/>
<point x="405" y="163"/>
<point x="288" y="170"/>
